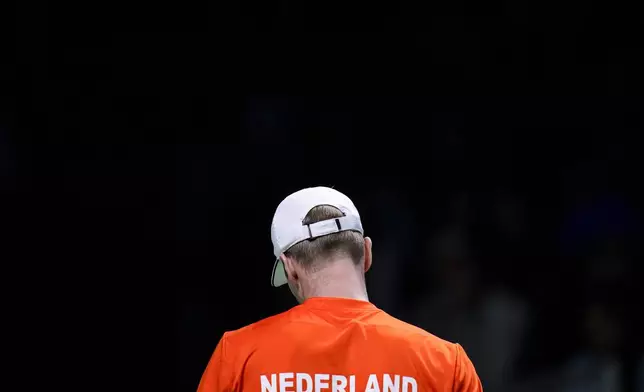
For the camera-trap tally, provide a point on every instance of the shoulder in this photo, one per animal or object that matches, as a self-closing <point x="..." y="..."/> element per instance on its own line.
<point x="418" y="339"/>
<point x="251" y="333"/>
<point x="417" y="335"/>
<point x="432" y="354"/>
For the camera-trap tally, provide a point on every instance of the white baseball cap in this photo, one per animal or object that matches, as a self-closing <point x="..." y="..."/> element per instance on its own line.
<point x="288" y="228"/>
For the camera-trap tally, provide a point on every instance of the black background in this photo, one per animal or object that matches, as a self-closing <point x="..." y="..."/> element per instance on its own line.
<point x="146" y="147"/>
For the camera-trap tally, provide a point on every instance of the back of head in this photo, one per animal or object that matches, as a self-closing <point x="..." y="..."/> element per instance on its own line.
<point x="314" y="254"/>
<point x="319" y="245"/>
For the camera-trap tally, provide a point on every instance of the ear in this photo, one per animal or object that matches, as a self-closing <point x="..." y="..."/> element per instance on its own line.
<point x="289" y="267"/>
<point x="367" y="253"/>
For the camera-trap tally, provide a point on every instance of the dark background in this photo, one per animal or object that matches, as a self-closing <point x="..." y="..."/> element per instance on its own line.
<point x="492" y="149"/>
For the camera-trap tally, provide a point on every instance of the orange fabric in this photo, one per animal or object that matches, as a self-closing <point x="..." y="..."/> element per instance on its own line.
<point x="336" y="345"/>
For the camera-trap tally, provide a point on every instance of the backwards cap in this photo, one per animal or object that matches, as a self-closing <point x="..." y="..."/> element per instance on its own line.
<point x="288" y="226"/>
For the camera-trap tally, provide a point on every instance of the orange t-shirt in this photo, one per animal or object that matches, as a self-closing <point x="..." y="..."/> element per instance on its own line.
<point x="336" y="345"/>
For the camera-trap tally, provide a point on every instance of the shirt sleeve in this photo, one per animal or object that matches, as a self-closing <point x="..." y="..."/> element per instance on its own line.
<point x="465" y="377"/>
<point x="218" y="376"/>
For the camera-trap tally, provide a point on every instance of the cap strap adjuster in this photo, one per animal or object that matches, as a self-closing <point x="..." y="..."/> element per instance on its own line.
<point x="330" y="226"/>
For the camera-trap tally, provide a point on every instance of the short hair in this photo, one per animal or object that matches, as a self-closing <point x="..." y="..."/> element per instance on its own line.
<point x="312" y="251"/>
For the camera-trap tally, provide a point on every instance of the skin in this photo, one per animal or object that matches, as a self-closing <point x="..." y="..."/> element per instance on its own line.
<point x="339" y="277"/>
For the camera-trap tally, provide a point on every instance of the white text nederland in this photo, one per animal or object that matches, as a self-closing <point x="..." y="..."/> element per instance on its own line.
<point x="304" y="382"/>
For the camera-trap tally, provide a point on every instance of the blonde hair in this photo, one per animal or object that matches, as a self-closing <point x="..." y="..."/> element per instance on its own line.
<point x="310" y="253"/>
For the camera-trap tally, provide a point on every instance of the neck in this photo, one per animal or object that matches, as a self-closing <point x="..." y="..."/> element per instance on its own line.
<point x="340" y="279"/>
